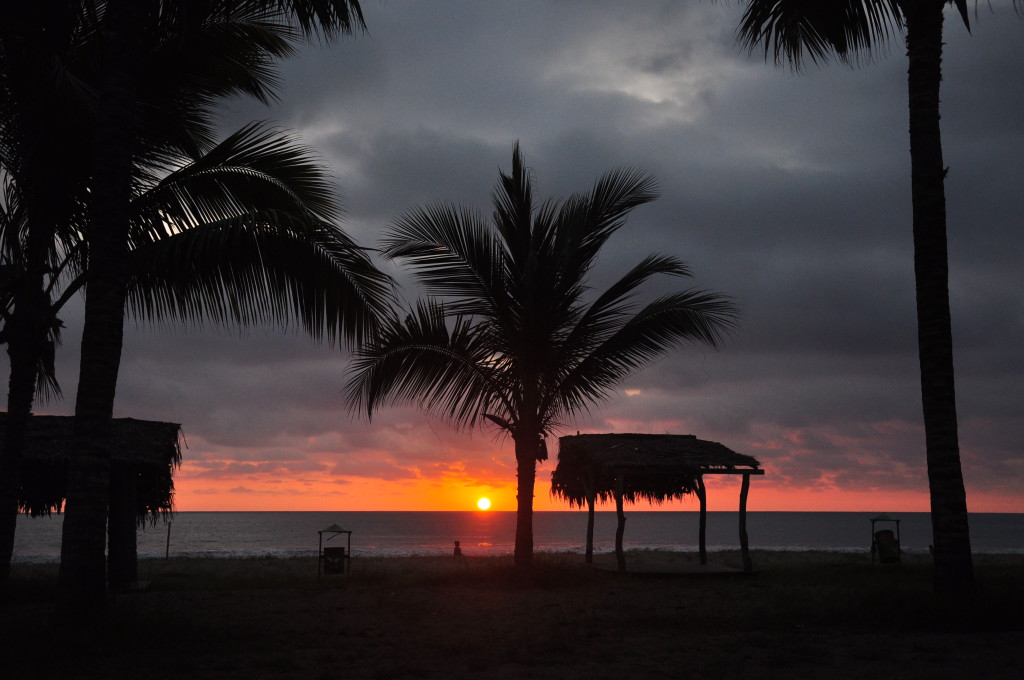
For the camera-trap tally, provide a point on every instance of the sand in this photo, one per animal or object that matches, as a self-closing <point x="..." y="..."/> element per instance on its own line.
<point x="801" y="615"/>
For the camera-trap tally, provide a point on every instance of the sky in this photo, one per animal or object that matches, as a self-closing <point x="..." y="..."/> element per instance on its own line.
<point x="789" y="192"/>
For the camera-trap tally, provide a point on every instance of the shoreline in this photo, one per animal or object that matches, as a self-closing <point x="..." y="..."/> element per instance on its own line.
<point x="433" y="553"/>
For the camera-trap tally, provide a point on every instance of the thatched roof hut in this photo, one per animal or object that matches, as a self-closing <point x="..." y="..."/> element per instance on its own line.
<point x="142" y="463"/>
<point x="152" y="449"/>
<point x="651" y="467"/>
<point x="654" y="467"/>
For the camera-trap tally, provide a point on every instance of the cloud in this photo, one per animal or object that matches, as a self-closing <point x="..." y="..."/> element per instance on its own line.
<point x="789" y="192"/>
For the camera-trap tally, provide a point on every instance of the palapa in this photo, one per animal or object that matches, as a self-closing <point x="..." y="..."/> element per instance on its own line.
<point x="651" y="467"/>
<point x="153" y="448"/>
<point x="144" y="456"/>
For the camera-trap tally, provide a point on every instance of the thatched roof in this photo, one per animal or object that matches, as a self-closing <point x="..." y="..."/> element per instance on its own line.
<point x="153" y="448"/>
<point x="653" y="467"/>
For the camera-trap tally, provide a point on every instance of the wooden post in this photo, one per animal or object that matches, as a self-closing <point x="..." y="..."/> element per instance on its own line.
<point x="702" y="495"/>
<point x="744" y="547"/>
<point x="588" y="488"/>
<point x="167" y="546"/>
<point x="590" y="530"/>
<point x="620" y="529"/>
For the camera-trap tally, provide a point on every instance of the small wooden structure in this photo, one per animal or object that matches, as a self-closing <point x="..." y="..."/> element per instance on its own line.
<point x="144" y="457"/>
<point x="334" y="560"/>
<point x="886" y="545"/>
<point x="653" y="467"/>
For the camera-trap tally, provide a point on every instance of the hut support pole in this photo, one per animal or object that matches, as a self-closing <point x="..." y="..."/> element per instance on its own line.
<point x="702" y="496"/>
<point x="744" y="546"/>
<point x="590" y="528"/>
<point x="591" y="494"/>
<point x="620" y="528"/>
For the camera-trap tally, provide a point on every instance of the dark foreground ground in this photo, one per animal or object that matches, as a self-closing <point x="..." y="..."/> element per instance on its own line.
<point x="801" y="615"/>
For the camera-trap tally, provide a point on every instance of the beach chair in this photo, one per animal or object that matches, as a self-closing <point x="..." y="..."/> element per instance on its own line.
<point x="335" y="561"/>
<point x="886" y="546"/>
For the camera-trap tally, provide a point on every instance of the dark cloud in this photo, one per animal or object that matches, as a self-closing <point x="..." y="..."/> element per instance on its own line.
<point x="789" y="192"/>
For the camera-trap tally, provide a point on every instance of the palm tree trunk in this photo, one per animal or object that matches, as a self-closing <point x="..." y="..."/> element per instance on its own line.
<point x="122" y="543"/>
<point x="50" y="196"/>
<point x="27" y="334"/>
<point x="82" y="582"/>
<point x="526" y="472"/>
<point x="24" y="360"/>
<point x="953" y="566"/>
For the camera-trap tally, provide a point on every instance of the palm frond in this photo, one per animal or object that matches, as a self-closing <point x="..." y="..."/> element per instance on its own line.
<point x="449" y="372"/>
<point x="586" y="221"/>
<point x="12" y="220"/>
<point x="669" y="321"/>
<point x="227" y="49"/>
<point x="961" y="6"/>
<point x="255" y="168"/>
<point x="193" y="65"/>
<point x="202" y="52"/>
<point x="610" y="309"/>
<point x="790" y="31"/>
<point x="241" y="236"/>
<point x="47" y="387"/>
<point x="512" y="198"/>
<point x="325" y="18"/>
<point x="450" y="250"/>
<point x="267" y="267"/>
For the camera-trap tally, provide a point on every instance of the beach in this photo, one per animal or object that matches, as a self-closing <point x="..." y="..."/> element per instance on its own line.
<point x="799" y="615"/>
<point x="377" y="534"/>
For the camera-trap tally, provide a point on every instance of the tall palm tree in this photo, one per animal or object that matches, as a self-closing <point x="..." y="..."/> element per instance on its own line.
<point x="242" y="235"/>
<point x="44" y="132"/>
<point x="158" y="70"/>
<point x="792" y="30"/>
<point x="513" y="333"/>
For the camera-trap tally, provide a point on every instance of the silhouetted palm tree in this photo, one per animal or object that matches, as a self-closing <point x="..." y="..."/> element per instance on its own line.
<point x="792" y="30"/>
<point x="242" y="235"/>
<point x="514" y="334"/>
<point x="127" y="27"/>
<point x="157" y="70"/>
<point x="45" y="136"/>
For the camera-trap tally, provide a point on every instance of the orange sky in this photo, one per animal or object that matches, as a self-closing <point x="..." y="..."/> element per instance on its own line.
<point x="455" y="492"/>
<point x="408" y="462"/>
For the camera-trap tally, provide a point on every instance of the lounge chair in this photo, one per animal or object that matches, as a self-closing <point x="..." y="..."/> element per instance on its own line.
<point x="886" y="546"/>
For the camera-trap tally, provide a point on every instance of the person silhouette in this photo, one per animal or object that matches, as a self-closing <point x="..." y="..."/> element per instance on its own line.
<point x="458" y="549"/>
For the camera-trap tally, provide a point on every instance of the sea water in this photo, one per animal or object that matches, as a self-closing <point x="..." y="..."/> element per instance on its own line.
<point x="288" y="534"/>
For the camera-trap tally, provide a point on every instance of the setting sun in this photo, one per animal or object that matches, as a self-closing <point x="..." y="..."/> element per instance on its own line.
<point x="484" y="503"/>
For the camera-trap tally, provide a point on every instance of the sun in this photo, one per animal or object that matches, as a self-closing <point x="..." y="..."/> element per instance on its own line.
<point x="484" y="503"/>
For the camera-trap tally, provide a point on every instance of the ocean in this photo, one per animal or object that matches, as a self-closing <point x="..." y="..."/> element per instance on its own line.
<point x="291" y="534"/>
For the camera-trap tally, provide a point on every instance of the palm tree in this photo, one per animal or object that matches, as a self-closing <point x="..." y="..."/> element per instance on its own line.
<point x="242" y="235"/>
<point x="791" y="30"/>
<point x="245" y="235"/>
<point x="157" y="70"/>
<point x="513" y="334"/>
<point x="44" y="116"/>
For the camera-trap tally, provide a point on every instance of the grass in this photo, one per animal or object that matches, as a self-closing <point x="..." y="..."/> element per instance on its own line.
<point x="800" y="615"/>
